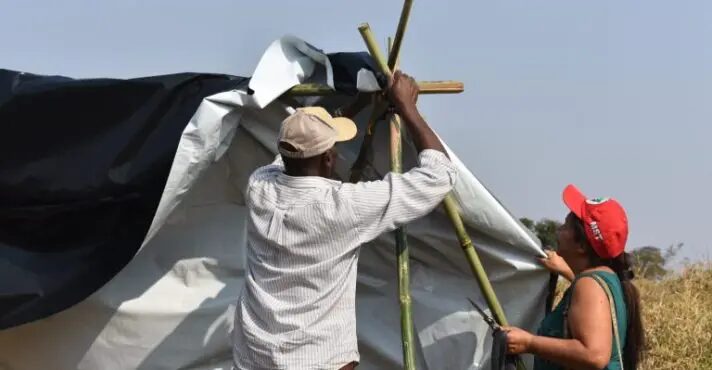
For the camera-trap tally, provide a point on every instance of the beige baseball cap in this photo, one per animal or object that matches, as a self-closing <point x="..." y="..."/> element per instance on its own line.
<point x="312" y="131"/>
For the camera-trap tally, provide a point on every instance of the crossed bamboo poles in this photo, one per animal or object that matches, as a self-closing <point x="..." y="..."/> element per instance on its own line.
<point x="386" y="66"/>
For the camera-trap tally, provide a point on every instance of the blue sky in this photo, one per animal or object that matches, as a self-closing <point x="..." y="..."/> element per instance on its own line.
<point x="612" y="96"/>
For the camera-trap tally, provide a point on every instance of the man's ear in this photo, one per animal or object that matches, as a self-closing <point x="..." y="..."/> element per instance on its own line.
<point x="328" y="158"/>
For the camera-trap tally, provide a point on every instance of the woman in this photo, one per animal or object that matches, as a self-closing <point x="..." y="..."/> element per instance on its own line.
<point x="578" y="333"/>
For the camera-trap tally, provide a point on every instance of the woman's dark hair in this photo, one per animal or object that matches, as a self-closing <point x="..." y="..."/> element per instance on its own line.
<point x="623" y="267"/>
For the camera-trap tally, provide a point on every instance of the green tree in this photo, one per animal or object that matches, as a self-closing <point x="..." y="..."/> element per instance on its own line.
<point x="527" y="222"/>
<point x="545" y="229"/>
<point x="650" y="261"/>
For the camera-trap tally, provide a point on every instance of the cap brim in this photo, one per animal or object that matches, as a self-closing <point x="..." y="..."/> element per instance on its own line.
<point x="574" y="200"/>
<point x="345" y="128"/>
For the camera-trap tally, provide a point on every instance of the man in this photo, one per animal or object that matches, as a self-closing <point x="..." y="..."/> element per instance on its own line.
<point x="297" y="310"/>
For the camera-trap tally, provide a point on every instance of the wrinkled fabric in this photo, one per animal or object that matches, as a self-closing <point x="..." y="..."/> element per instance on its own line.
<point x="172" y="306"/>
<point x="83" y="164"/>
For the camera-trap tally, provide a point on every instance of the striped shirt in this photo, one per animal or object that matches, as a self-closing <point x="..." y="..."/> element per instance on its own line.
<point x="297" y="310"/>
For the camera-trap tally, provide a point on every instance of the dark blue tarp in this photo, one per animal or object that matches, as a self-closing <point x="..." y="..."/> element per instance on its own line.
<point x="83" y="164"/>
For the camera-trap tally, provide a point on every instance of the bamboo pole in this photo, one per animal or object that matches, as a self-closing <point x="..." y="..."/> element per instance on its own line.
<point x="373" y="48"/>
<point x="476" y="266"/>
<point x="394" y="54"/>
<point x="450" y="208"/>
<point x="426" y="87"/>
<point x="407" y="337"/>
<point x="441" y="87"/>
<point x="474" y="260"/>
<point x="311" y="90"/>
<point x="402" y="251"/>
<point x="449" y="204"/>
<point x="402" y="256"/>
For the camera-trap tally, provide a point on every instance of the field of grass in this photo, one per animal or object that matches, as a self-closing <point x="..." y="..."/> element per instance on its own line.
<point x="678" y="319"/>
<point x="677" y="314"/>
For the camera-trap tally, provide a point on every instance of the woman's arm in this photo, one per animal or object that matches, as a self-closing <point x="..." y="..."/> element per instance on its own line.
<point x="591" y="329"/>
<point x="554" y="263"/>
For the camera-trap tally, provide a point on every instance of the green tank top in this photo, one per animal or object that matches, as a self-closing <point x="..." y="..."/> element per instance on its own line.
<point x="553" y="323"/>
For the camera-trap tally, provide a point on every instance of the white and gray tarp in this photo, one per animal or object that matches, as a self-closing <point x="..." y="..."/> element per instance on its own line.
<point x="171" y="306"/>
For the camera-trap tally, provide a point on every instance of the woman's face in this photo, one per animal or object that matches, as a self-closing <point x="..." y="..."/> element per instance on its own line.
<point x="569" y="248"/>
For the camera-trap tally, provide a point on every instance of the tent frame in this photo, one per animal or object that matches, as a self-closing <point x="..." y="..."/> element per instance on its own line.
<point x="380" y="104"/>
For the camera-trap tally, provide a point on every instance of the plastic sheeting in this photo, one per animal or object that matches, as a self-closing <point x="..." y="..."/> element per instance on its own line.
<point x="82" y="170"/>
<point x="172" y="306"/>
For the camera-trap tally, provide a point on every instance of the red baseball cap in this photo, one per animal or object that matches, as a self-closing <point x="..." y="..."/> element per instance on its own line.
<point x="604" y="221"/>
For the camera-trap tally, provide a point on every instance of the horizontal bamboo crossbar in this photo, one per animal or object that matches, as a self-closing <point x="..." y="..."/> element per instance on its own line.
<point x="426" y="87"/>
<point x="441" y="87"/>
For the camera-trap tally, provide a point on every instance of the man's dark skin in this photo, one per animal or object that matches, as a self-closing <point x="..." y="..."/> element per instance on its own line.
<point x="403" y="94"/>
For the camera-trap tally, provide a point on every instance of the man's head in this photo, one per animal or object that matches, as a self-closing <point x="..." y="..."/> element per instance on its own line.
<point x="307" y="139"/>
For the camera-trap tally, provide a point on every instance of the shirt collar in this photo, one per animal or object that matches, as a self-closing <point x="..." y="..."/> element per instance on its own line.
<point x="305" y="181"/>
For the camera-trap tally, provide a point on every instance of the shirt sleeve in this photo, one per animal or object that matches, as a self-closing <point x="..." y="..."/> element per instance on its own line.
<point x="398" y="199"/>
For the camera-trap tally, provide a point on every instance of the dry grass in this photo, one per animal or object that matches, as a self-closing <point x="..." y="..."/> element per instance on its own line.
<point x="677" y="314"/>
<point x="678" y="320"/>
